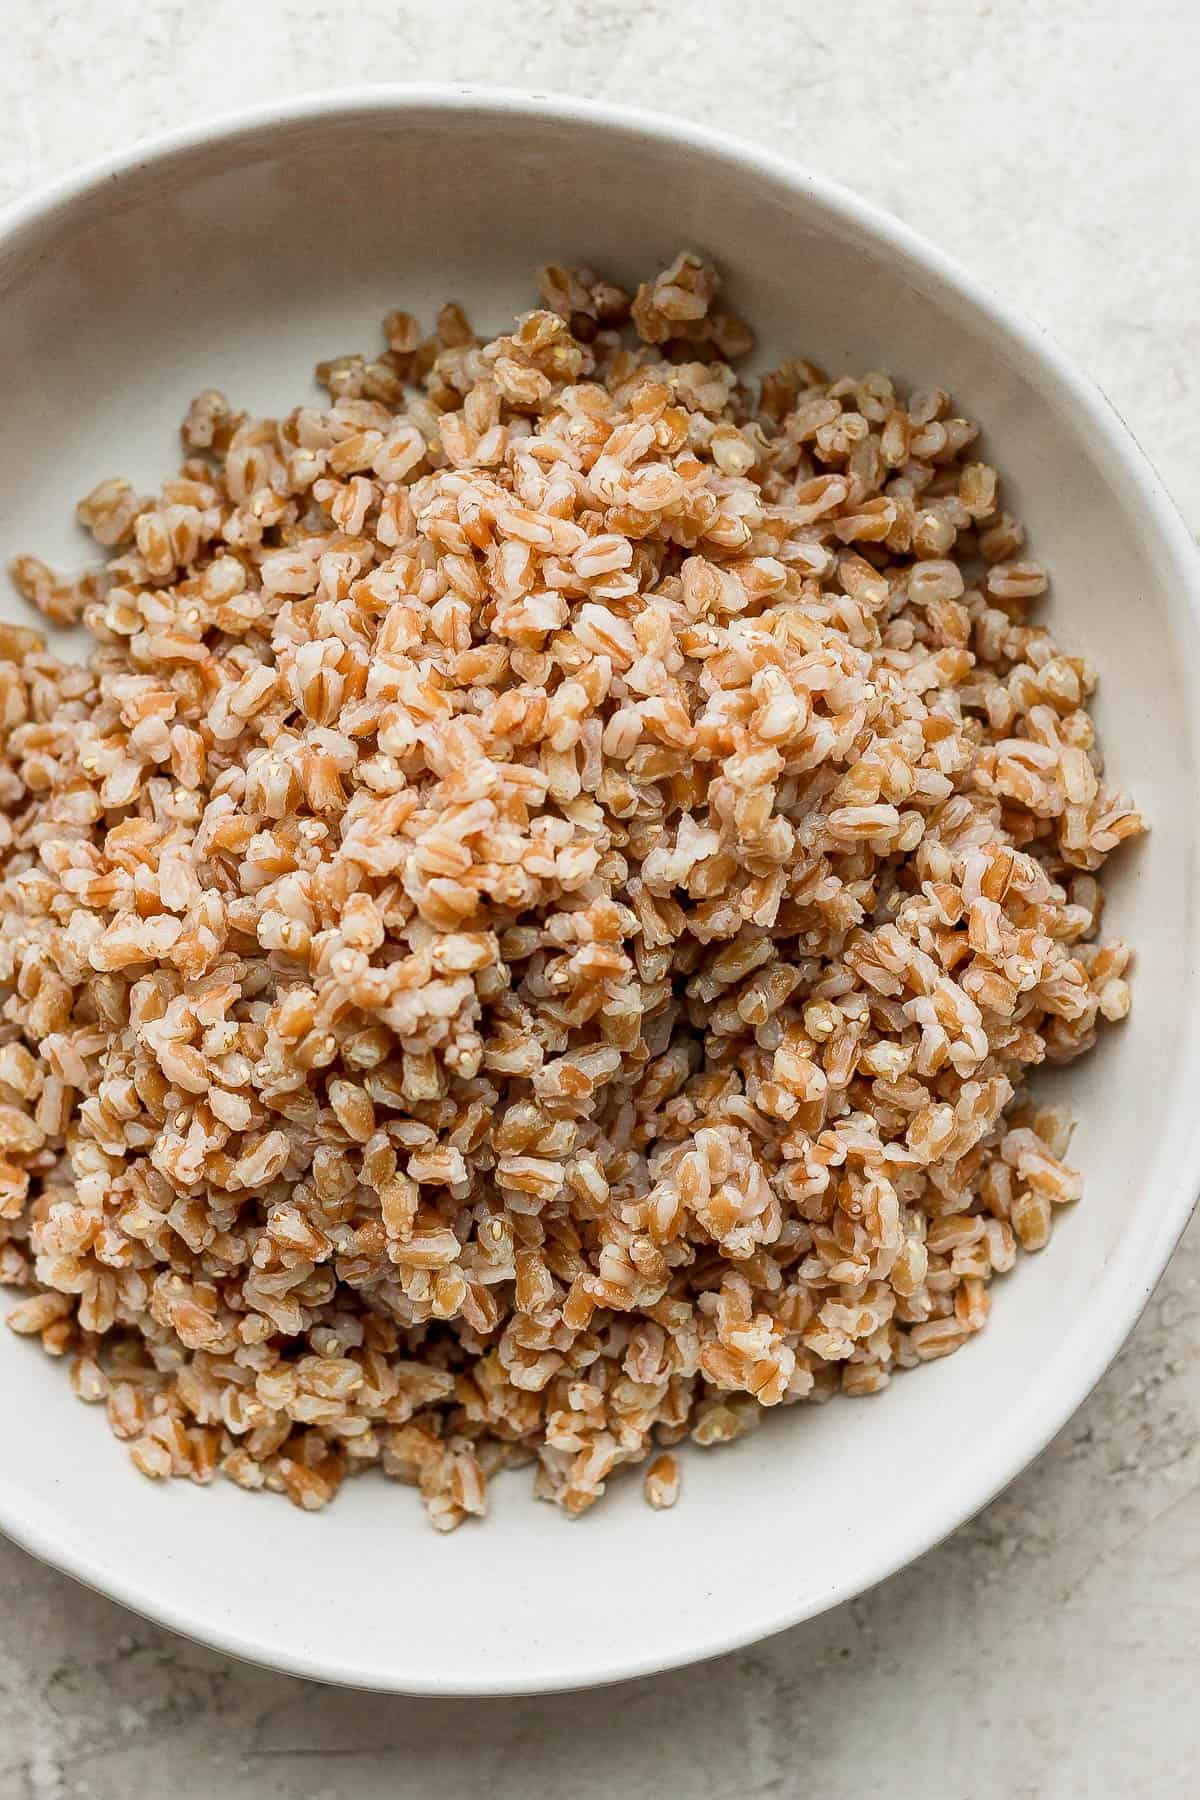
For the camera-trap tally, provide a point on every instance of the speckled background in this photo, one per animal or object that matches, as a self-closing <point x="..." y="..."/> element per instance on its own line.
<point x="1050" y="1649"/>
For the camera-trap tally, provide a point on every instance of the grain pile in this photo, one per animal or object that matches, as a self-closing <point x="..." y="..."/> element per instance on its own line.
<point x="526" y="939"/>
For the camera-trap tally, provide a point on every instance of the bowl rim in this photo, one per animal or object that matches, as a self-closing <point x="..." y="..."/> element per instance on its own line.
<point x="1013" y="1447"/>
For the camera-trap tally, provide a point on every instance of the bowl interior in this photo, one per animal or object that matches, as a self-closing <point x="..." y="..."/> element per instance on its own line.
<point x="240" y="262"/>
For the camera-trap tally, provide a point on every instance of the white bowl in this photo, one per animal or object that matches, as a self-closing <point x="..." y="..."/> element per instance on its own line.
<point x="238" y="255"/>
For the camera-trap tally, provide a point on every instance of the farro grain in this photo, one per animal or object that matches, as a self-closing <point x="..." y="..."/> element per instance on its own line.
<point x="527" y="938"/>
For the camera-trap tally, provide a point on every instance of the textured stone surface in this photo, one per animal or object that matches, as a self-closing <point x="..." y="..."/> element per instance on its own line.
<point x="1048" y="1650"/>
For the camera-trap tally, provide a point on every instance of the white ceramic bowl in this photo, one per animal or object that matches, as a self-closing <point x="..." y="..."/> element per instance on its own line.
<point x="238" y="255"/>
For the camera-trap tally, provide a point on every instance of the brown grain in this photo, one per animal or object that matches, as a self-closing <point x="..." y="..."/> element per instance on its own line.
<point x="526" y="940"/>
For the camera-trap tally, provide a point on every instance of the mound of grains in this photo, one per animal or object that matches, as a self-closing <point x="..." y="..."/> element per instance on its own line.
<point x="526" y="939"/>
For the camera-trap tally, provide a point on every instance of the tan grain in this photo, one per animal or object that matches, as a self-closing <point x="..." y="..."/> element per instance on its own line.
<point x="527" y="938"/>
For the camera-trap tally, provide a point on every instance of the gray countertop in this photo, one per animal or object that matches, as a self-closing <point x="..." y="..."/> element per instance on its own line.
<point x="1049" y="1649"/>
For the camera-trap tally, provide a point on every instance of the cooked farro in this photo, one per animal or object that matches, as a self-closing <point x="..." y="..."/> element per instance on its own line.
<point x="526" y="939"/>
